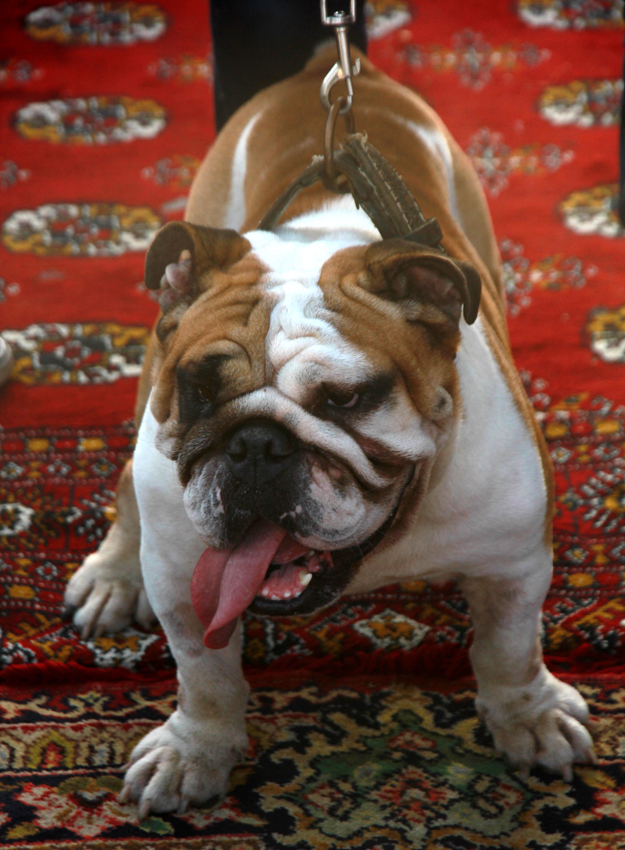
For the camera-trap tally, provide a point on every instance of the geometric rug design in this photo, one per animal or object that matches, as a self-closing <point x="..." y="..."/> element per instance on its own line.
<point x="360" y="765"/>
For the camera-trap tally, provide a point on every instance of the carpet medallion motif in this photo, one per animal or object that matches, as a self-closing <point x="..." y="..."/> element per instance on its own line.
<point x="91" y="120"/>
<point x="96" y="24"/>
<point x="74" y="230"/>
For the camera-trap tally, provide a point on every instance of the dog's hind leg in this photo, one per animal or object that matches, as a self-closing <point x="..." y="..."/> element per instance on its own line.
<point x="106" y="593"/>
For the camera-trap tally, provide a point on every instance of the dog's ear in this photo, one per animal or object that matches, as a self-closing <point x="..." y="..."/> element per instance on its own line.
<point x="429" y="288"/>
<point x="182" y="254"/>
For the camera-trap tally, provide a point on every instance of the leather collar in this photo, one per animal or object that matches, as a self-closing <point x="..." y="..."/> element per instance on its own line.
<point x="374" y="185"/>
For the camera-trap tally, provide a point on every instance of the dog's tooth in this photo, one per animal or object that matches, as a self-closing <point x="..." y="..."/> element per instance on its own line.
<point x="305" y="577"/>
<point x="265" y="591"/>
<point x="287" y="594"/>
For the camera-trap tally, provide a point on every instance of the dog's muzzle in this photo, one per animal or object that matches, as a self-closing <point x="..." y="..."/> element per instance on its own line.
<point x="295" y="524"/>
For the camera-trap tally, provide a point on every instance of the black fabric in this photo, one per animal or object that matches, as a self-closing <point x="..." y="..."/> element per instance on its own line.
<point x="621" y="197"/>
<point x="258" y="42"/>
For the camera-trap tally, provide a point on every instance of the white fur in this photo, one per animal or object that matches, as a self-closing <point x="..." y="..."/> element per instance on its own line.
<point x="167" y="533"/>
<point x="409" y="437"/>
<point x="235" y="212"/>
<point x="438" y="147"/>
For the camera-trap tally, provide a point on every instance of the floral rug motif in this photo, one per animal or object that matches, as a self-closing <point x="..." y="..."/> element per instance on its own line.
<point x="367" y="764"/>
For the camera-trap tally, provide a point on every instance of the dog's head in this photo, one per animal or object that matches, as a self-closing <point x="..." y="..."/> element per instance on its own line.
<point x="304" y="392"/>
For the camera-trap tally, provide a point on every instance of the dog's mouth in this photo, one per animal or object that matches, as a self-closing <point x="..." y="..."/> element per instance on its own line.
<point x="290" y="571"/>
<point x="271" y="573"/>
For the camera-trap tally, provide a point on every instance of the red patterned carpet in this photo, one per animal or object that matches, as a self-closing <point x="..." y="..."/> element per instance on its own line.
<point x="362" y="728"/>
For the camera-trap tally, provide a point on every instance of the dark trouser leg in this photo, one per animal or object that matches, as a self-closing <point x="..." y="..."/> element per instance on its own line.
<point x="621" y="199"/>
<point x="258" y="42"/>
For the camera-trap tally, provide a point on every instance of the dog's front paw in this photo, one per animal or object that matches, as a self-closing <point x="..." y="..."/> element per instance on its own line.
<point x="541" y="724"/>
<point x="106" y="594"/>
<point x="182" y="763"/>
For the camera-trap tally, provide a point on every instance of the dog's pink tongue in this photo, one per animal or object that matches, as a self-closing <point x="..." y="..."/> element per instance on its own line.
<point x="225" y="582"/>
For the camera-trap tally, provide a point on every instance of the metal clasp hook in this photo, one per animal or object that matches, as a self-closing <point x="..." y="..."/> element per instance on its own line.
<point x="343" y="69"/>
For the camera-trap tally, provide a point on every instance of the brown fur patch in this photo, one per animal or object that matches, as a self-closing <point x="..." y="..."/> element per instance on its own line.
<point x="230" y="316"/>
<point x="378" y="328"/>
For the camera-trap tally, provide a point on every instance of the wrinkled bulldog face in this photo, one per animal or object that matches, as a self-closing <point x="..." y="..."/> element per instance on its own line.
<point x="303" y="391"/>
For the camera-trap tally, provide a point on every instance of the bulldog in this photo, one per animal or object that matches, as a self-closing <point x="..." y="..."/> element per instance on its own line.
<point x="324" y="412"/>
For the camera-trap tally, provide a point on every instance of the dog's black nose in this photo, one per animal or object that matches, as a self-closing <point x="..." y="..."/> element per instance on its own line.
<point x="259" y="450"/>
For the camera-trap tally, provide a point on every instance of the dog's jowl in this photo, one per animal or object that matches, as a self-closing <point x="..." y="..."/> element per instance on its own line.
<point x="324" y="412"/>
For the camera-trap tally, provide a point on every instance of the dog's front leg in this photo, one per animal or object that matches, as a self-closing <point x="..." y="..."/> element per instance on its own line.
<point x="188" y="759"/>
<point x="534" y="718"/>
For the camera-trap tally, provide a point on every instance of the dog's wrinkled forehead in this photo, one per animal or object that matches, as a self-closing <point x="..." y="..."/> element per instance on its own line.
<point x="303" y="345"/>
<point x="254" y="325"/>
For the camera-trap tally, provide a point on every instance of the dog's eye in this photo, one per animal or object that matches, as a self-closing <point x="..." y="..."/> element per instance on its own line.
<point x="206" y="393"/>
<point x="335" y="398"/>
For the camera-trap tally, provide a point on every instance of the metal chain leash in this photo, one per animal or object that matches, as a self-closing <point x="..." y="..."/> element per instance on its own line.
<point x="357" y="167"/>
<point x="341" y="70"/>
